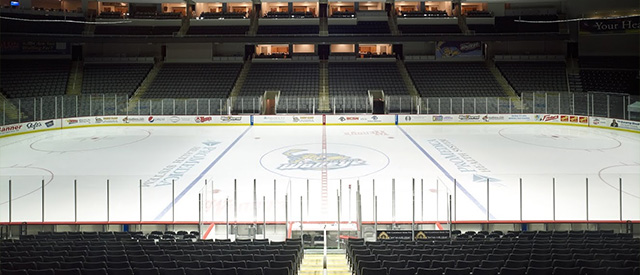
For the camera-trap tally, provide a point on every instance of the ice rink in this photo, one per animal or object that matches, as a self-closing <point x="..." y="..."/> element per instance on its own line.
<point x="151" y="168"/>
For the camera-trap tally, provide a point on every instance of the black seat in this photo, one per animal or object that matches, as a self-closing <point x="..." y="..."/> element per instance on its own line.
<point x="249" y="271"/>
<point x="429" y="271"/>
<point x="223" y="271"/>
<point x="485" y="271"/>
<point x="46" y="271"/>
<point x="197" y="271"/>
<point x="120" y="271"/>
<point x="275" y="271"/>
<point x="593" y="271"/>
<point x="400" y="271"/>
<point x="373" y="271"/>
<point x="96" y="271"/>
<point x="457" y="271"/>
<point x="145" y="271"/>
<point x="621" y="271"/>
<point x="171" y="271"/>
<point x="540" y="270"/>
<point x="67" y="271"/>
<point x="513" y="271"/>
<point x="566" y="271"/>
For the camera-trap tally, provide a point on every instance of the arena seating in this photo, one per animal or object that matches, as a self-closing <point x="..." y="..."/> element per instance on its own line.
<point x="615" y="81"/>
<point x="356" y="78"/>
<point x="113" y="78"/>
<point x="610" y="74"/>
<point x="34" y="78"/>
<point x="49" y="255"/>
<point x="223" y="15"/>
<point x="362" y="27"/>
<point x="194" y="80"/>
<point x="535" y="76"/>
<point x="479" y="14"/>
<point x="453" y="79"/>
<point x="291" y="79"/>
<point x="285" y="29"/>
<point x="110" y="15"/>
<point x="343" y="14"/>
<point x="123" y="29"/>
<point x="424" y="14"/>
<point x="409" y="29"/>
<point x="218" y="30"/>
<point x="528" y="252"/>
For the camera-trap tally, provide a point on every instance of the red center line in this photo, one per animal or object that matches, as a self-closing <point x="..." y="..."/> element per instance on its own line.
<point x="325" y="177"/>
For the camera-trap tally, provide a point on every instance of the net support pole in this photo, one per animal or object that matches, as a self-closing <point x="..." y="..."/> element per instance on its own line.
<point x="620" y="191"/>
<point x="520" y="189"/>
<point x="359" y="212"/>
<point x="200" y="215"/>
<point x="75" y="201"/>
<point x="42" y="201"/>
<point x="108" y="201"/>
<point x="227" y="218"/>
<point x="274" y="205"/>
<point x="173" y="204"/>
<point x="10" y="201"/>
<point x="235" y="200"/>
<point x="449" y="217"/>
<point x="554" y="198"/>
<point x="455" y="200"/>
<point x="373" y="195"/>
<point x="264" y="217"/>
<point x="393" y="203"/>
<point x="301" y="220"/>
<point x="286" y="213"/>
<point x="586" y="205"/>
<point x="140" y="193"/>
<point x="421" y="199"/>
<point x="255" y="209"/>
<point x="339" y="221"/>
<point x="375" y="216"/>
<point x="488" y="203"/>
<point x="413" y="208"/>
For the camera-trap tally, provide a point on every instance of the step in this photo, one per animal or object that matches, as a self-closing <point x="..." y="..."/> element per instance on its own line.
<point x="312" y="264"/>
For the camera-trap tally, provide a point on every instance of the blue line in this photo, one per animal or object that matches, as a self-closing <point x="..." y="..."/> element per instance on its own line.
<point x="206" y="170"/>
<point x="458" y="185"/>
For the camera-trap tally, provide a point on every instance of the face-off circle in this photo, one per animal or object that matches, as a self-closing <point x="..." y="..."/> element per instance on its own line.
<point x="79" y="141"/>
<point x="559" y="138"/>
<point x="341" y="161"/>
<point x="24" y="175"/>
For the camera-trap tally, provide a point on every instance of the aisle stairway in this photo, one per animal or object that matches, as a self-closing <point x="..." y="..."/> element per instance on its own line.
<point x="336" y="262"/>
<point x="74" y="84"/>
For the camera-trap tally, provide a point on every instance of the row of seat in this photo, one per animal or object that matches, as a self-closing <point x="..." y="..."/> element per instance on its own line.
<point x="504" y="271"/>
<point x="150" y="271"/>
<point x="147" y="264"/>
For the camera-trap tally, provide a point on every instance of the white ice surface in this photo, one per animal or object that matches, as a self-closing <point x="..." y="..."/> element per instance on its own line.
<point x="291" y="156"/>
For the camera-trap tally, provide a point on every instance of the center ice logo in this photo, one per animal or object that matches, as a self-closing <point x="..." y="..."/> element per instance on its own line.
<point x="300" y="159"/>
<point x="340" y="161"/>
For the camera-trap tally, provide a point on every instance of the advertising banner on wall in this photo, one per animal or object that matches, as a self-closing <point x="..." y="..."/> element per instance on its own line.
<point x="458" y="49"/>
<point x="612" y="123"/>
<point x="34" y="48"/>
<point x="406" y="234"/>
<point x="611" y="25"/>
<point x="361" y="119"/>
<point x="32" y="126"/>
<point x="288" y="120"/>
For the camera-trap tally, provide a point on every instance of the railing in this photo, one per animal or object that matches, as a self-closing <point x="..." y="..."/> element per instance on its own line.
<point x="591" y="104"/>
